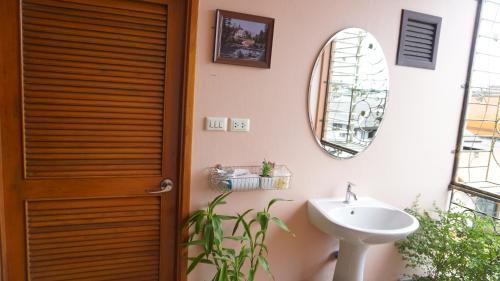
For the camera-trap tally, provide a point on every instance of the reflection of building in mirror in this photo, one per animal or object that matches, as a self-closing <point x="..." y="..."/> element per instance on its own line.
<point x="351" y="96"/>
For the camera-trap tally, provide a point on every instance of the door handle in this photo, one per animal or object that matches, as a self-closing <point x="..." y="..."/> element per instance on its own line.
<point x="166" y="185"/>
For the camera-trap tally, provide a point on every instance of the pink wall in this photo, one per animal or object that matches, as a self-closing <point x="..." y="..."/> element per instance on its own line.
<point x="411" y="154"/>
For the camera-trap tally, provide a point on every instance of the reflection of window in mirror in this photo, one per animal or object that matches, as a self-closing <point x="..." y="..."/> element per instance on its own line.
<point x="348" y="91"/>
<point x="322" y="90"/>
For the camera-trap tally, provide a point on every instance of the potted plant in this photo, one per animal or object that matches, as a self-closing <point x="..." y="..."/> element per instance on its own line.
<point x="450" y="246"/>
<point x="249" y="230"/>
<point x="266" y="179"/>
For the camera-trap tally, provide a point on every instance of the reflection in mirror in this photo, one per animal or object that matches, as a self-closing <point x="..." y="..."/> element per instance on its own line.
<point x="348" y="92"/>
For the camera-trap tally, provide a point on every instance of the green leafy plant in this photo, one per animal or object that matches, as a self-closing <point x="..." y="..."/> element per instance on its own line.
<point x="267" y="168"/>
<point x="249" y="251"/>
<point x="449" y="246"/>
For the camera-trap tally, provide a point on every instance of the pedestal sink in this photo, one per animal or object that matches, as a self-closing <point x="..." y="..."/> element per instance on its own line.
<point x="358" y="225"/>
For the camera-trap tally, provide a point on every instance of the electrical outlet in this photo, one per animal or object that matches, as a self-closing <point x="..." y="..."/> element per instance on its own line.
<point x="240" y="125"/>
<point x="216" y="124"/>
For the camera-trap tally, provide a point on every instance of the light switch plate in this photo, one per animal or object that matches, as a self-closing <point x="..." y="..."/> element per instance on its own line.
<point x="240" y="125"/>
<point x="216" y="124"/>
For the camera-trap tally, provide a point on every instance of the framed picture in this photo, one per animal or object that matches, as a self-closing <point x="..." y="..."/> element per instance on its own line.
<point x="243" y="39"/>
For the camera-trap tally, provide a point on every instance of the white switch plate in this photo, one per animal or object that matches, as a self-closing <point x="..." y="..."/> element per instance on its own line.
<point x="240" y="125"/>
<point x="216" y="124"/>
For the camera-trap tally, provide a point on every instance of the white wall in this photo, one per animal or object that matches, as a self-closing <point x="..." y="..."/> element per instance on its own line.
<point x="411" y="154"/>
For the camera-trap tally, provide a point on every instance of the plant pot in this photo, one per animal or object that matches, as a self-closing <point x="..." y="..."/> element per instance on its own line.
<point x="266" y="182"/>
<point x="281" y="182"/>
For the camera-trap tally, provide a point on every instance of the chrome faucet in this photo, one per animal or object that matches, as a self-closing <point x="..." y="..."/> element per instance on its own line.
<point x="349" y="193"/>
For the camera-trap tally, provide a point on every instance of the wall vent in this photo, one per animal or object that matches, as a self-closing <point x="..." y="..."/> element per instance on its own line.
<point x="418" y="40"/>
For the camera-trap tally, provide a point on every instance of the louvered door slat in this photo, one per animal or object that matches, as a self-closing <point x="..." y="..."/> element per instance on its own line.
<point x="72" y="101"/>
<point x="91" y="66"/>
<point x="90" y="144"/>
<point x="98" y="8"/>
<point x="100" y="91"/>
<point x="101" y="78"/>
<point x="90" y="33"/>
<point x="81" y="272"/>
<point x="81" y="44"/>
<point x="81" y="25"/>
<point x="102" y="139"/>
<point x="98" y="16"/>
<point x="93" y="238"/>
<point x="54" y="237"/>
<point x="139" y="6"/>
<point x="96" y="56"/>
<point x="85" y="39"/>
<point x="90" y="264"/>
<point x="98" y="127"/>
<point x="82" y="17"/>
<point x="89" y="71"/>
<point x="84" y="96"/>
<point x="94" y="75"/>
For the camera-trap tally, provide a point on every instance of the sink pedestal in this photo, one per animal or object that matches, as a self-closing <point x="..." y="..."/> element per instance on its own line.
<point x="351" y="262"/>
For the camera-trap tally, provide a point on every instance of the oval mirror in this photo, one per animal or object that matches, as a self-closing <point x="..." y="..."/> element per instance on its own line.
<point x="348" y="92"/>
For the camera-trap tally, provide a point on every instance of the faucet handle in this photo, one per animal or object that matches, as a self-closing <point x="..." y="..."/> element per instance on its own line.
<point x="350" y="184"/>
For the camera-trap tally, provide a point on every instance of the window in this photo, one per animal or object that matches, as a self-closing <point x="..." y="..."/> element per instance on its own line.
<point x="476" y="180"/>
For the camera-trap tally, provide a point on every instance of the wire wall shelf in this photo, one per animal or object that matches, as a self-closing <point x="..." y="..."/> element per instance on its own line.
<point x="247" y="178"/>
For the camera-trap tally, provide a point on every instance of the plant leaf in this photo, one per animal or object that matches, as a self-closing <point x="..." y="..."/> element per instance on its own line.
<point x="218" y="233"/>
<point x="265" y="265"/>
<point x="263" y="219"/>
<point x="230" y="251"/>
<point x="260" y="233"/>
<point x="251" y="274"/>
<point x="208" y="236"/>
<point x="238" y="221"/>
<point x="206" y="261"/>
<point x="274" y="201"/>
<point x="263" y="246"/>
<point x="248" y="231"/>
<point x="236" y="238"/>
<point x="223" y="273"/>
<point x="195" y="261"/>
<point x="218" y="201"/>
<point x="224" y="217"/>
<point x="194" y="243"/>
<point x="199" y="224"/>
<point x="194" y="217"/>
<point x="282" y="225"/>
<point x="243" y="254"/>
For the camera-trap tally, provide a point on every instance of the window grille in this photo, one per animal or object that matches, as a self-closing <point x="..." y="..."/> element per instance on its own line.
<point x="476" y="180"/>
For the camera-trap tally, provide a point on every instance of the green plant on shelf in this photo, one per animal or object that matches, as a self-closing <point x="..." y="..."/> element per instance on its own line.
<point x="249" y="251"/>
<point x="449" y="246"/>
<point x="267" y="168"/>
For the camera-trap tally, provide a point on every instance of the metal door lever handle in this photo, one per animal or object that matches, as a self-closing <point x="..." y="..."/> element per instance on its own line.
<point x="166" y="185"/>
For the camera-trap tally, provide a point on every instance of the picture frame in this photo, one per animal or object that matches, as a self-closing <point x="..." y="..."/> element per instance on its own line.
<point x="243" y="39"/>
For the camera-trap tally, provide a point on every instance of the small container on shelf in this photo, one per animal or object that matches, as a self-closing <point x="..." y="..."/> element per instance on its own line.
<point x="246" y="178"/>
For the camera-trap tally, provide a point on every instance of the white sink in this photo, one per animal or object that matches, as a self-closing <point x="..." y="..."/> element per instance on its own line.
<point x="359" y="224"/>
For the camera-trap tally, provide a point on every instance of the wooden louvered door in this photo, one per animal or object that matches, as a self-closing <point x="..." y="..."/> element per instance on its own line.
<point x="91" y="97"/>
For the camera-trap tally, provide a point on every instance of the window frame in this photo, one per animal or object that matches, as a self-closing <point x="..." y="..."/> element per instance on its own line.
<point x="454" y="185"/>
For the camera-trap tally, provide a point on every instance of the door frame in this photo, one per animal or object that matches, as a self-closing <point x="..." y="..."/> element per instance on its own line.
<point x="187" y="113"/>
<point x="3" y="273"/>
<point x="186" y="137"/>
